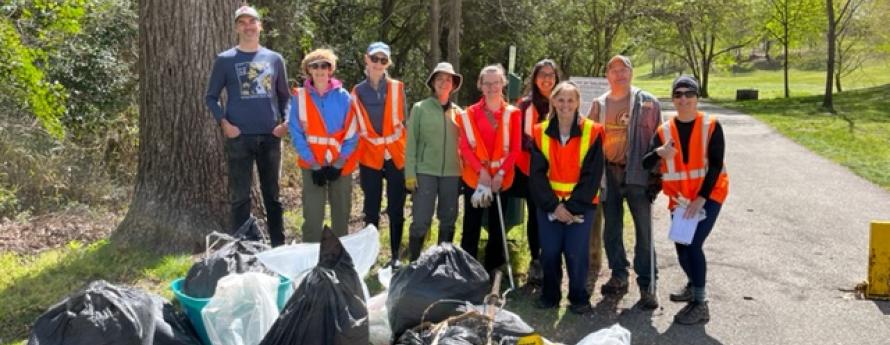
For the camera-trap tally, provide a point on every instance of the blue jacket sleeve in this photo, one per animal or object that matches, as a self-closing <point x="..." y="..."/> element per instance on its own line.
<point x="298" y="135"/>
<point x="347" y="149"/>
<point x="214" y="87"/>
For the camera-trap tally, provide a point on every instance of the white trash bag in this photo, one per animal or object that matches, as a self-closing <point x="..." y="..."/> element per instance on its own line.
<point x="378" y="318"/>
<point x="615" y="335"/>
<point x="242" y="310"/>
<point x="295" y="259"/>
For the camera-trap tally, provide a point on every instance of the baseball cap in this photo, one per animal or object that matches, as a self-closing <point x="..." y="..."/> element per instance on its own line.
<point x="686" y="81"/>
<point x="246" y="11"/>
<point x="379" y="47"/>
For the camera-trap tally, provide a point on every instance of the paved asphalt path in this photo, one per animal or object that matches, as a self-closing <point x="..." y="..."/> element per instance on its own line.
<point x="789" y="245"/>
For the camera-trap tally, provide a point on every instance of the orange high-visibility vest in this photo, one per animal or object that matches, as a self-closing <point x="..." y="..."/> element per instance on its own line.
<point x="525" y="157"/>
<point x="374" y="148"/>
<point x="565" y="161"/>
<point x="498" y="154"/>
<point x="683" y="180"/>
<point x="325" y="147"/>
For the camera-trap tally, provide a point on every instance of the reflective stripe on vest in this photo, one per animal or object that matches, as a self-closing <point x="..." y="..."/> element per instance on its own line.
<point x="586" y="132"/>
<point x="398" y="126"/>
<point x="328" y="141"/>
<point x="505" y="133"/>
<point x="531" y="116"/>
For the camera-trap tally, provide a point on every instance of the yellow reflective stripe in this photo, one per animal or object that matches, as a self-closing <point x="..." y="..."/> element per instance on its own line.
<point x="585" y="141"/>
<point x="562" y="186"/>
<point x="545" y="141"/>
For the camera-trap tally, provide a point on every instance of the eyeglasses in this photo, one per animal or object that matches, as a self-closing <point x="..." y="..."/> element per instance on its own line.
<point x="544" y="75"/>
<point x="320" y="65"/>
<point x="379" y="59"/>
<point x="492" y="84"/>
<point x="688" y="94"/>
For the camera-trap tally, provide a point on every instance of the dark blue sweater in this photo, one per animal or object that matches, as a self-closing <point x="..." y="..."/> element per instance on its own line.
<point x="256" y="89"/>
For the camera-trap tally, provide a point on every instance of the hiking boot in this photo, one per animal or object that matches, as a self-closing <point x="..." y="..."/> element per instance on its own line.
<point x="615" y="286"/>
<point x="395" y="264"/>
<point x="535" y="273"/>
<point x="684" y="295"/>
<point x="693" y="313"/>
<point x="580" y="309"/>
<point x="648" y="301"/>
<point x="591" y="280"/>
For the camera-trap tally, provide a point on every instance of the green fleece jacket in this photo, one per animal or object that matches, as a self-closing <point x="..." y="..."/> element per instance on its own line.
<point x="432" y="140"/>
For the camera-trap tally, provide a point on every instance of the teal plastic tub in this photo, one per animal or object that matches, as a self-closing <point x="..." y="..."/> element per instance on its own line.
<point x="194" y="306"/>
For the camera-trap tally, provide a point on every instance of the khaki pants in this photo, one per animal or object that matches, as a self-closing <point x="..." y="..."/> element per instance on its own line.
<point x="596" y="244"/>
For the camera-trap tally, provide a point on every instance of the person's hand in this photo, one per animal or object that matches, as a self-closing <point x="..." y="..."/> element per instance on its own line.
<point x="411" y="184"/>
<point x="280" y="130"/>
<point x="318" y="177"/>
<point x="484" y="177"/>
<point x="496" y="183"/>
<point x="563" y="215"/>
<point x="694" y="207"/>
<point x="667" y="151"/>
<point x="333" y="173"/>
<point x="229" y="130"/>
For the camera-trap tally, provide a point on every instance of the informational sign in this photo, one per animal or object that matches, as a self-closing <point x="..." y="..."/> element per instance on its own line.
<point x="591" y="87"/>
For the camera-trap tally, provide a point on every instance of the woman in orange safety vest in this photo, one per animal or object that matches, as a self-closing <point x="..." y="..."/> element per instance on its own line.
<point x="379" y="102"/>
<point x="690" y="149"/>
<point x="566" y="168"/>
<point x="324" y="133"/>
<point x="489" y="144"/>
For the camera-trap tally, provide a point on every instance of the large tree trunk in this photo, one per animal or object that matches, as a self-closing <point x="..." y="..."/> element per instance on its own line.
<point x="827" y="100"/>
<point x="435" y="32"/>
<point x="181" y="186"/>
<point x="785" y="42"/>
<point x="454" y="23"/>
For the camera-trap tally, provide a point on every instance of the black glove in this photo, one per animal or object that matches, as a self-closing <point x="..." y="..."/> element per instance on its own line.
<point x="332" y="173"/>
<point x="318" y="177"/>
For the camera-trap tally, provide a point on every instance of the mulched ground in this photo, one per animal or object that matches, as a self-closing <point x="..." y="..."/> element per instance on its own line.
<point x="54" y="230"/>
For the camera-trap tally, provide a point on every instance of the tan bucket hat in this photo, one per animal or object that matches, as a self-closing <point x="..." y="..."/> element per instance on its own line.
<point x="447" y="68"/>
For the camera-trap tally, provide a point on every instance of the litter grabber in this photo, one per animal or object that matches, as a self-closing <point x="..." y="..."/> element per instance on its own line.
<point x="504" y="239"/>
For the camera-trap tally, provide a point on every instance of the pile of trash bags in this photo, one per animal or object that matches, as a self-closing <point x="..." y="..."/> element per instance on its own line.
<point x="236" y="255"/>
<point x="328" y="306"/>
<point x="103" y="313"/>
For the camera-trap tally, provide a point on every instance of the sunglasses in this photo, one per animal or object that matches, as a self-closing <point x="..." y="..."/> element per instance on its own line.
<point x="320" y="65"/>
<point x="379" y="59"/>
<point x="688" y="94"/>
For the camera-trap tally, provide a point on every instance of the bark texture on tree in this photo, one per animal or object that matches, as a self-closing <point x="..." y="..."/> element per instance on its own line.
<point x="435" y="32"/>
<point x="828" y="100"/>
<point x="454" y="25"/>
<point x="181" y="187"/>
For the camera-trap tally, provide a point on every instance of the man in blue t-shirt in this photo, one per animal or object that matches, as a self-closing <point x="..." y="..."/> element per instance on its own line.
<point x="253" y="119"/>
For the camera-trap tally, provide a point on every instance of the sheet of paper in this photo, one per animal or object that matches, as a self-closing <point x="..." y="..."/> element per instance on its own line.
<point x="683" y="229"/>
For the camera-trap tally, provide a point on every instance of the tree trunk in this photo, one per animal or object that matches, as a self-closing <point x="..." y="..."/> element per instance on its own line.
<point x="827" y="100"/>
<point x="785" y="42"/>
<point x="435" y="33"/>
<point x="181" y="187"/>
<point x="454" y="24"/>
<point x="386" y="9"/>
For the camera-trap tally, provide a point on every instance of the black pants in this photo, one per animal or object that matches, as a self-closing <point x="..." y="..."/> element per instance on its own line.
<point x="371" y="181"/>
<point x="265" y="151"/>
<point x="520" y="189"/>
<point x="472" y="227"/>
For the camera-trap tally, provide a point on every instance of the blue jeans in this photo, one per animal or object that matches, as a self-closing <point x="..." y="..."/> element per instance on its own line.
<point x="613" y="230"/>
<point x="265" y="151"/>
<point x="559" y="240"/>
<point x="692" y="257"/>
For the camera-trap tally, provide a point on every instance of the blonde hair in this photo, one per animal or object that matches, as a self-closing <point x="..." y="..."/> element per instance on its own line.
<point x="316" y="55"/>
<point x="492" y="69"/>
<point x="564" y="86"/>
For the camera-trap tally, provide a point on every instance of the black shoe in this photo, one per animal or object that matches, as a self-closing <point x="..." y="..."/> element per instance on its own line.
<point x="541" y="304"/>
<point x="395" y="264"/>
<point x="615" y="286"/>
<point x="535" y="273"/>
<point x="693" y="313"/>
<point x="684" y="295"/>
<point x="648" y="301"/>
<point x="580" y="309"/>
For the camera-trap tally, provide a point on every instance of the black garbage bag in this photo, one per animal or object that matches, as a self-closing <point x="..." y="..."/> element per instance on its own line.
<point x="112" y="315"/>
<point x="443" y="272"/>
<point x="328" y="307"/>
<point x="508" y="329"/>
<point x="237" y="256"/>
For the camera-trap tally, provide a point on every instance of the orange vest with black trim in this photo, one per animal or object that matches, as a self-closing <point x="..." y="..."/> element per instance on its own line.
<point x="325" y="147"/>
<point x="491" y="158"/>
<point x="565" y="161"/>
<point x="683" y="180"/>
<point x="374" y="148"/>
<point x="529" y="119"/>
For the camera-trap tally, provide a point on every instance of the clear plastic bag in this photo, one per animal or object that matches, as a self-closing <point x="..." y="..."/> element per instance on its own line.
<point x="294" y="260"/>
<point x="242" y="310"/>
<point x="615" y="335"/>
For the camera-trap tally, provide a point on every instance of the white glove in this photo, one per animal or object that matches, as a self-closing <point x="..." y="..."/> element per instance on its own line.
<point x="482" y="197"/>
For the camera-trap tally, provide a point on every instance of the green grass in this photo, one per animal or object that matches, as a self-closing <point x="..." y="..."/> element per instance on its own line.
<point x="723" y="85"/>
<point x="864" y="148"/>
<point x="31" y="284"/>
